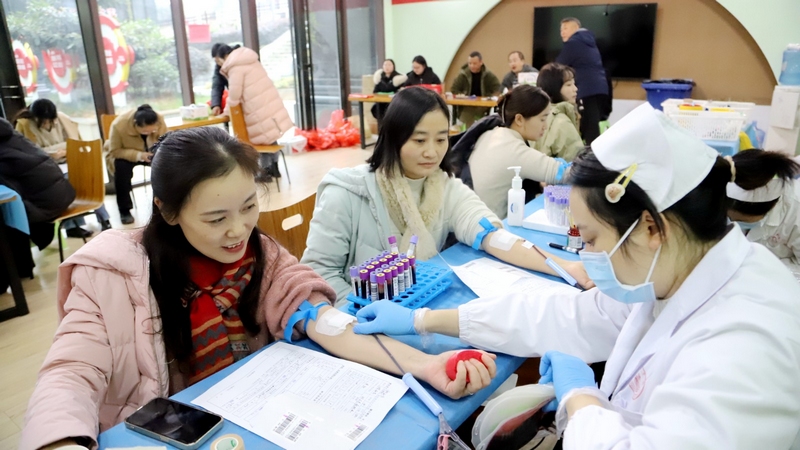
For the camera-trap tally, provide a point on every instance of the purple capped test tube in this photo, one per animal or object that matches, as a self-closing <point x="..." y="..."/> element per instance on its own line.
<point x="373" y="287"/>
<point x="412" y="247"/>
<point x="364" y="276"/>
<point x="354" y="278"/>
<point x="393" y="244"/>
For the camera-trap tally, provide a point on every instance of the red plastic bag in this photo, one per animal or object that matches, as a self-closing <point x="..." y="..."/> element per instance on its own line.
<point x="224" y="100"/>
<point x="338" y="133"/>
<point x="337" y="120"/>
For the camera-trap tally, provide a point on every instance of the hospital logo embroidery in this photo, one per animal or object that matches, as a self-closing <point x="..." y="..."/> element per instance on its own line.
<point x="638" y="383"/>
<point x="775" y="239"/>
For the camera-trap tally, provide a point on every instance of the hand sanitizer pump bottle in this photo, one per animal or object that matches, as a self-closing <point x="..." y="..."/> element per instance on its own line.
<point x="516" y="199"/>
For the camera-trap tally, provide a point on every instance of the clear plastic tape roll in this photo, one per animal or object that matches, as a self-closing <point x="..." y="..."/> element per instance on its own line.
<point x="228" y="442"/>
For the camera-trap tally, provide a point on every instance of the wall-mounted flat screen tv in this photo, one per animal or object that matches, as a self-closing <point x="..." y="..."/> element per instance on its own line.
<point x="624" y="35"/>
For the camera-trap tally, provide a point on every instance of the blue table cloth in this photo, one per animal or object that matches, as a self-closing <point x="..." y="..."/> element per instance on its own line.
<point x="409" y="425"/>
<point x="14" y="212"/>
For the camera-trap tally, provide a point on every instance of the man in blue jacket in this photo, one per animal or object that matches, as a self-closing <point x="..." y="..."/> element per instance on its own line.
<point x="580" y="52"/>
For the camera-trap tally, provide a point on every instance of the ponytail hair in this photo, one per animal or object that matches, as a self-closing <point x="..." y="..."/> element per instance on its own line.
<point x="703" y="212"/>
<point x="144" y="116"/>
<point x="756" y="168"/>
<point x="525" y="100"/>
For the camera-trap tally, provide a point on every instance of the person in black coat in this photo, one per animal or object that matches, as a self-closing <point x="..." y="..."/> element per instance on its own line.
<point x="218" y="83"/>
<point x="38" y="180"/>
<point x="580" y="52"/>
<point x="421" y="73"/>
<point x="387" y="80"/>
<point x="36" y="177"/>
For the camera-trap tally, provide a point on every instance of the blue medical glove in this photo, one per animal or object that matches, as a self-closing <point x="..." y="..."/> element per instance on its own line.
<point x="385" y="317"/>
<point x="566" y="372"/>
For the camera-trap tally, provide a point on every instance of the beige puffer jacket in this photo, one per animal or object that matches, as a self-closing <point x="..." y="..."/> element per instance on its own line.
<point x="264" y="113"/>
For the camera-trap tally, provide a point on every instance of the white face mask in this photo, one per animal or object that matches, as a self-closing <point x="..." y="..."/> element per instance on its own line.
<point x="749" y="226"/>
<point x="599" y="268"/>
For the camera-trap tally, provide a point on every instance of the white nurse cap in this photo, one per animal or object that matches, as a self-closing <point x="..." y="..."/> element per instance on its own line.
<point x="666" y="161"/>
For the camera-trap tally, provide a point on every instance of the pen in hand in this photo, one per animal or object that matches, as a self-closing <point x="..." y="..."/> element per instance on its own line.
<point x="559" y="270"/>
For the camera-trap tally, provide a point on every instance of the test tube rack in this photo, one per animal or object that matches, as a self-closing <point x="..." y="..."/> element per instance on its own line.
<point x="432" y="280"/>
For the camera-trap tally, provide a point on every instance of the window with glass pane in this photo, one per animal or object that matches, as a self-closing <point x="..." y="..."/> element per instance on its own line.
<point x="209" y="22"/>
<point x="277" y="48"/>
<point x="362" y="52"/>
<point x="139" y="46"/>
<point x="324" y="59"/>
<point x="50" y="58"/>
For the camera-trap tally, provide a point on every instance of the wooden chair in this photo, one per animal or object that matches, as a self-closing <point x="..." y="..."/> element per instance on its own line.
<point x="240" y="131"/>
<point x="289" y="226"/>
<point x="85" y="163"/>
<point x="106" y="121"/>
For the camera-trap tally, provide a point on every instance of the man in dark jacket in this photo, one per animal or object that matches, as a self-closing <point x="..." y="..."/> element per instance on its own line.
<point x="475" y="80"/>
<point x="580" y="52"/>
<point x="36" y="177"/>
<point x="218" y="83"/>
<point x="516" y="61"/>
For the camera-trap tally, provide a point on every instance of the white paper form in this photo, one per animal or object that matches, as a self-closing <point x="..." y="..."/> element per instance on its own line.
<point x="488" y="278"/>
<point x="299" y="398"/>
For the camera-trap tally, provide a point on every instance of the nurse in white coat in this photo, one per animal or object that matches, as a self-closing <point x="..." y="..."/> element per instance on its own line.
<point x="700" y="327"/>
<point x="769" y="212"/>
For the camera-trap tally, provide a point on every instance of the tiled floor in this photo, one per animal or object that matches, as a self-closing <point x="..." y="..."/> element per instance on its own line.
<point x="24" y="341"/>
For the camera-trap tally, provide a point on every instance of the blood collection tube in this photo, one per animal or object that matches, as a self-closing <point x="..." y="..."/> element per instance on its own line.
<point x="364" y="275"/>
<point x="394" y="256"/>
<point x="401" y="277"/>
<point x="412" y="247"/>
<point x="395" y="283"/>
<point x="384" y="266"/>
<point x="393" y="244"/>
<point x="354" y="278"/>
<point x="373" y="287"/>
<point x="407" y="272"/>
<point x="389" y="286"/>
<point x="380" y="282"/>
<point x="413" y="263"/>
<point x="370" y="268"/>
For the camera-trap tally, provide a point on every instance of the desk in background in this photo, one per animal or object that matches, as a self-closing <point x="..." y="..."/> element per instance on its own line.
<point x="409" y="425"/>
<point x="361" y="99"/>
<point x="13" y="214"/>
<point x="381" y="98"/>
<point x="176" y="123"/>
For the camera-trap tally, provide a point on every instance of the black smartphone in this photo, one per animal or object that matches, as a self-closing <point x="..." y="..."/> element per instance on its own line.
<point x="175" y="423"/>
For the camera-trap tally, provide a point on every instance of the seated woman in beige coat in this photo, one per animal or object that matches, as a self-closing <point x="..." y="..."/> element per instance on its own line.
<point x="249" y="85"/>
<point x="562" y="137"/>
<point x="44" y="125"/>
<point x="130" y="139"/>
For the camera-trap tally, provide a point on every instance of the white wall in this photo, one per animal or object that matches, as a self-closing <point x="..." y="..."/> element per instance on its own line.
<point x="433" y="29"/>
<point x="436" y="29"/>
<point x="772" y="23"/>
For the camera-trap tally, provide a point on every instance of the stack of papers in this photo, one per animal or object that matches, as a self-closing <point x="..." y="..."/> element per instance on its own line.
<point x="299" y="398"/>
<point x="487" y="278"/>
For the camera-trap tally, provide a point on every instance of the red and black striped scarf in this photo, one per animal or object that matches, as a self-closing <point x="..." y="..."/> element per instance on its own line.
<point x="218" y="335"/>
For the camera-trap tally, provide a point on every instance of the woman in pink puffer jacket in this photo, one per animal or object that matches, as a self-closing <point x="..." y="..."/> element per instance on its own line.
<point x="264" y="112"/>
<point x="140" y="311"/>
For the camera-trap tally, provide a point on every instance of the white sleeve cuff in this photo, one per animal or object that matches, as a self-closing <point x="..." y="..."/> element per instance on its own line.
<point x="561" y="415"/>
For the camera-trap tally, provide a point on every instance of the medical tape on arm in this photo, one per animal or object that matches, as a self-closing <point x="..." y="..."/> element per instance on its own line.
<point x="333" y="322"/>
<point x="503" y="240"/>
<point x="305" y="312"/>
